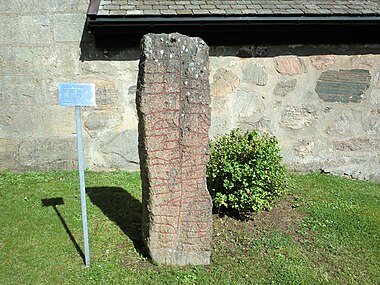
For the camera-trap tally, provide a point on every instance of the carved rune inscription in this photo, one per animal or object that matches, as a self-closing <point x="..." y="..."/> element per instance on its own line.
<point x="173" y="100"/>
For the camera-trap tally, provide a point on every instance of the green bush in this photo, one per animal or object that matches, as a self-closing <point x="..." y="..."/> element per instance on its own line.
<point x="245" y="173"/>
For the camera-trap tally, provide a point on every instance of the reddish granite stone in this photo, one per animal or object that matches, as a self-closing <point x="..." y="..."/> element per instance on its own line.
<point x="323" y="61"/>
<point x="173" y="100"/>
<point x="289" y="65"/>
<point x="225" y="81"/>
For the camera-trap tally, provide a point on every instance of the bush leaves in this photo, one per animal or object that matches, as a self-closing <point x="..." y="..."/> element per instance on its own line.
<point x="244" y="172"/>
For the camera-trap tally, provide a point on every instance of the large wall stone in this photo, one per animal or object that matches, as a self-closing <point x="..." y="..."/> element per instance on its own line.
<point x="27" y="29"/>
<point x="343" y="85"/>
<point x="284" y="87"/>
<point x="342" y="126"/>
<point x="289" y="65"/>
<point x="323" y="61"/>
<point x="297" y="117"/>
<point x="173" y="99"/>
<point x="254" y="73"/>
<point x="224" y="82"/>
<point x="47" y="153"/>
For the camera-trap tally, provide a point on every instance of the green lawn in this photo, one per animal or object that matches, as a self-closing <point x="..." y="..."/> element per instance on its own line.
<point x="326" y="231"/>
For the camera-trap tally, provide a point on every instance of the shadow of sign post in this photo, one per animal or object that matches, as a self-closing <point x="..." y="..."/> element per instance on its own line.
<point x="54" y="202"/>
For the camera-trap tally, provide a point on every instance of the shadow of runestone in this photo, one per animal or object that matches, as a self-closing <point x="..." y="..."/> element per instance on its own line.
<point x="173" y="99"/>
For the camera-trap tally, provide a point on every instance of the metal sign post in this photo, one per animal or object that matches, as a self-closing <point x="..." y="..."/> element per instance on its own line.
<point x="79" y="94"/>
<point x="82" y="186"/>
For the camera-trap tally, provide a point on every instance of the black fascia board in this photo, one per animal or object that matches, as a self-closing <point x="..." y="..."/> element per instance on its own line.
<point x="231" y="30"/>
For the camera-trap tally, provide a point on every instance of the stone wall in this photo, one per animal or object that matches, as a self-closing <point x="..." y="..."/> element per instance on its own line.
<point x="323" y="102"/>
<point x="325" y="109"/>
<point x="41" y="45"/>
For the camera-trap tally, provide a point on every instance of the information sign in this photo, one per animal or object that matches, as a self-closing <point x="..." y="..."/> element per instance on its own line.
<point x="77" y="94"/>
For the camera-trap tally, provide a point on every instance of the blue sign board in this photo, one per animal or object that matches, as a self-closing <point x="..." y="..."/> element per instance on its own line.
<point x="77" y="94"/>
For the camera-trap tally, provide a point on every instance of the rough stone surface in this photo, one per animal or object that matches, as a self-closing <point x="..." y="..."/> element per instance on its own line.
<point x="297" y="118"/>
<point x="364" y="60"/>
<point x="8" y="153"/>
<point x="18" y="90"/>
<point x="284" y="87"/>
<point x="289" y="65"/>
<point x="36" y="6"/>
<point x="356" y="144"/>
<point x="263" y="125"/>
<point x="173" y="101"/>
<point x="102" y="120"/>
<point x="304" y="148"/>
<point x="254" y="73"/>
<point x="47" y="153"/>
<point x="245" y="104"/>
<point x="341" y="126"/>
<point x="224" y="82"/>
<point x="373" y="126"/>
<point x="68" y="28"/>
<point x="343" y="85"/>
<point x="116" y="155"/>
<point x="323" y="61"/>
<point x="25" y="28"/>
<point x="96" y="121"/>
<point x="358" y="166"/>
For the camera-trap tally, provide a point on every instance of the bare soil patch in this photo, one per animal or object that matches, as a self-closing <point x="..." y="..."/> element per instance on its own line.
<point x="233" y="232"/>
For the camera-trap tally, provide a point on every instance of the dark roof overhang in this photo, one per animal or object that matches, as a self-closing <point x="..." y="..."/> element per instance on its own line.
<point x="119" y="31"/>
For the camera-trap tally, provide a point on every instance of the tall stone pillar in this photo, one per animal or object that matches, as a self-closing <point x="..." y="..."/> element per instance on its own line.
<point x="173" y="99"/>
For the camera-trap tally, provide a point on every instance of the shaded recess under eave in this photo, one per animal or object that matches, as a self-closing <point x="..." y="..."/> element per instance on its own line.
<point x="126" y="31"/>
